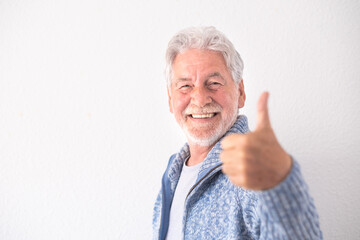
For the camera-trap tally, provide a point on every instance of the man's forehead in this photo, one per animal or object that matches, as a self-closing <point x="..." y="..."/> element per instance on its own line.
<point x="194" y="63"/>
<point x="198" y="56"/>
<point x="209" y="67"/>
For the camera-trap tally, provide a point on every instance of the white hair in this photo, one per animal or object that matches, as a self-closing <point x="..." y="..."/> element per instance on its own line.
<point x="207" y="38"/>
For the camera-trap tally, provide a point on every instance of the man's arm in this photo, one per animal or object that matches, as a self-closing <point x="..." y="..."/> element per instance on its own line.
<point x="287" y="211"/>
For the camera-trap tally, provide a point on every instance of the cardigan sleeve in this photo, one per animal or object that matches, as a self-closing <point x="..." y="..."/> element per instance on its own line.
<point x="287" y="211"/>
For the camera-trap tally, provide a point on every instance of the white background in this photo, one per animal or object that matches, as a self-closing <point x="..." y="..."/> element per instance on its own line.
<point x="85" y="131"/>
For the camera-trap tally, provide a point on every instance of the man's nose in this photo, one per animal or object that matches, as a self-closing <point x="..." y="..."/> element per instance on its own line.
<point x="200" y="96"/>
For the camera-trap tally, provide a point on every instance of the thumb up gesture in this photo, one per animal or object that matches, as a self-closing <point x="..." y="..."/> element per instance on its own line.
<point x="255" y="161"/>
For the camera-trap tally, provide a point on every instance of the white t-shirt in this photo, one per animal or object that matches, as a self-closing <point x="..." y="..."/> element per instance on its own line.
<point x="186" y="181"/>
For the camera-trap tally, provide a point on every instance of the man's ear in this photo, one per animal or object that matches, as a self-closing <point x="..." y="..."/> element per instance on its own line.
<point x="242" y="95"/>
<point x="169" y="98"/>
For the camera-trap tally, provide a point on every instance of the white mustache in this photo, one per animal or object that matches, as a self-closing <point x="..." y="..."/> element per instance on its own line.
<point x="209" y="108"/>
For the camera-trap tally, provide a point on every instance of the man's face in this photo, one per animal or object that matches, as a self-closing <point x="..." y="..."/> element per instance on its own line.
<point x="203" y="96"/>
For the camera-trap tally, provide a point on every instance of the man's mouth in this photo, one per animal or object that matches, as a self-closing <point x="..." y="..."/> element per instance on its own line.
<point x="202" y="116"/>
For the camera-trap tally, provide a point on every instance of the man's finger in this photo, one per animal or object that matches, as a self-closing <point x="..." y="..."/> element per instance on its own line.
<point x="263" y="119"/>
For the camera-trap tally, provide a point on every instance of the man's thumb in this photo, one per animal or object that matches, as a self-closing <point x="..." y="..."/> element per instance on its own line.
<point x="263" y="119"/>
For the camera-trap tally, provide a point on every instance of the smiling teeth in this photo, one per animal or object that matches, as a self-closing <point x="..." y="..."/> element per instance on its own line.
<point x="203" y="115"/>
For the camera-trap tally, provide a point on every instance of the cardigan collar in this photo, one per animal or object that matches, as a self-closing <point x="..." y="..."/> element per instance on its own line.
<point x="211" y="160"/>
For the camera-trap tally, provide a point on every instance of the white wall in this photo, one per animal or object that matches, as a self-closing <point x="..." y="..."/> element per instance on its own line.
<point x="85" y="131"/>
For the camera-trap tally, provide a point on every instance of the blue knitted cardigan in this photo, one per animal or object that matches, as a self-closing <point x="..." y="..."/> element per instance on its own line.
<point x="217" y="209"/>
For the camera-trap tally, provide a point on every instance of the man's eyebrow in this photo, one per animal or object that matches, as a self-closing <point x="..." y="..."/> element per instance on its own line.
<point x="183" y="79"/>
<point x="215" y="74"/>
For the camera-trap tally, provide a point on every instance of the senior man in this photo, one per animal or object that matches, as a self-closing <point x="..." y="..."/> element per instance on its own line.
<point x="226" y="182"/>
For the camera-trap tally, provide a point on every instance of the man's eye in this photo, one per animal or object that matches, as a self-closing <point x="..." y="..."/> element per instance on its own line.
<point x="214" y="85"/>
<point x="185" y="86"/>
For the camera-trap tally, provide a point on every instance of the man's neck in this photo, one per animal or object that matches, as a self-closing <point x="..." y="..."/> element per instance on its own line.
<point x="198" y="154"/>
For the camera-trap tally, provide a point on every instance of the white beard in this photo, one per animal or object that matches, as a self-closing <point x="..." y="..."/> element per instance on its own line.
<point x="216" y="133"/>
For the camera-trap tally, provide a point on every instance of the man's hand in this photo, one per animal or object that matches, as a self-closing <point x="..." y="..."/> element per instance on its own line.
<point x="255" y="161"/>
